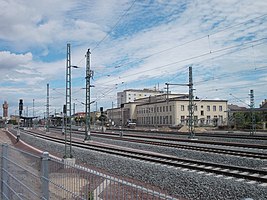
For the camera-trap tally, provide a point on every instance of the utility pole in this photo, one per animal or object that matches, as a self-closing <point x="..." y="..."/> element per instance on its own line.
<point x="253" y="125"/>
<point x="68" y="139"/>
<point x="167" y="84"/>
<point x="191" y="105"/>
<point x="191" y="102"/>
<point x="89" y="74"/>
<point x="33" y="107"/>
<point x="74" y="108"/>
<point x="112" y="122"/>
<point x="47" y="108"/>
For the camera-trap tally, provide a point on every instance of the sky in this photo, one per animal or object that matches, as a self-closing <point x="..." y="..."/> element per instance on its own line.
<point x="134" y="44"/>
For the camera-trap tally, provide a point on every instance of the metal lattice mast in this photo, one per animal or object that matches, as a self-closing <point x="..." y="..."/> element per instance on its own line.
<point x="253" y="126"/>
<point x="47" y="108"/>
<point x="68" y="139"/>
<point x="88" y="76"/>
<point x="191" y="105"/>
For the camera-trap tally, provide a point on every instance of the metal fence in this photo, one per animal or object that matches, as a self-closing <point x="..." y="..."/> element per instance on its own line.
<point x="29" y="176"/>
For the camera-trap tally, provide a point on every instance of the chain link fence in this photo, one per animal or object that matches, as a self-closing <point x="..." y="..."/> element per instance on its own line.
<point x="28" y="176"/>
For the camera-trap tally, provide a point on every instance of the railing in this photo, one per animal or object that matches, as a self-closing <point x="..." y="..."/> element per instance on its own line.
<point x="28" y="176"/>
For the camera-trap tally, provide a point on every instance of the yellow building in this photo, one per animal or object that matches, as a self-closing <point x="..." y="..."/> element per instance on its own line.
<point x="171" y="110"/>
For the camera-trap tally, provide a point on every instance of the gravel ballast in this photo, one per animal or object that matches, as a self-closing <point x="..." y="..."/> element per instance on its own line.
<point x="179" y="183"/>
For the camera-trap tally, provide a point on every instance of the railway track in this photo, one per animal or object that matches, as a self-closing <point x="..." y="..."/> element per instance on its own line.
<point x="239" y="153"/>
<point x="175" y="139"/>
<point x="246" y="136"/>
<point x="196" y="165"/>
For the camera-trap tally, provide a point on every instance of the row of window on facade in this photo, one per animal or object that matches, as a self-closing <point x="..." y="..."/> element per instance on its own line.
<point x="214" y="108"/>
<point x="169" y="109"/>
<point x="154" y="109"/>
<point x="135" y="95"/>
<point x="167" y="120"/>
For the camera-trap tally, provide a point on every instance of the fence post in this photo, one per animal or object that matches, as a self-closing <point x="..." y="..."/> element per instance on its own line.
<point x="5" y="190"/>
<point x="45" y="177"/>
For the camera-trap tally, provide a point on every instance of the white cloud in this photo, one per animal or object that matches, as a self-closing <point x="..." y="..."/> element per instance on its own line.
<point x="36" y="38"/>
<point x="10" y="60"/>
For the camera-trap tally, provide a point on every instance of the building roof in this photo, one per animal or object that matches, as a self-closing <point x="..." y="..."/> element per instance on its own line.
<point x="233" y="107"/>
<point x="264" y="104"/>
<point x="143" y="90"/>
<point x="236" y="108"/>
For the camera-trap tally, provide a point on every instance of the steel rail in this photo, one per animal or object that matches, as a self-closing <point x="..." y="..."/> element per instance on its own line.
<point x="209" y="167"/>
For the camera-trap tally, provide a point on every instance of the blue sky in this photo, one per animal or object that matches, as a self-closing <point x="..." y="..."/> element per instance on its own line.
<point x="135" y="45"/>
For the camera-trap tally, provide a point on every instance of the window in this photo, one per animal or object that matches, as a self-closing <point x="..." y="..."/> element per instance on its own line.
<point x="170" y="108"/>
<point x="167" y="121"/>
<point x="182" y="107"/>
<point x="166" y="108"/>
<point x="160" y="109"/>
<point x="214" y="108"/>
<point x="195" y="109"/>
<point x="208" y="119"/>
<point x="163" y="108"/>
<point x="160" y="120"/>
<point x="202" y="112"/>
<point x="157" y="109"/>
<point x="220" y="119"/>
<point x="208" y="108"/>
<point x="201" y="106"/>
<point x="182" y="119"/>
<point x="220" y="108"/>
<point x="170" y="119"/>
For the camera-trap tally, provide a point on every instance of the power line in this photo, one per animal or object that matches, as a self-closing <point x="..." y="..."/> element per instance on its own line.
<point x="120" y="18"/>
<point x="231" y="74"/>
<point x="194" y="57"/>
<point x="199" y="38"/>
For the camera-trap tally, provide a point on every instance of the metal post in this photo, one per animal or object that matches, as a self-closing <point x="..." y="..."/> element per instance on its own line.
<point x="68" y="139"/>
<point x="253" y="125"/>
<point x="88" y="76"/>
<point x="167" y="92"/>
<point x="45" y="175"/>
<point x="47" y="108"/>
<point x="191" y="105"/>
<point x="112" y="107"/>
<point x="74" y="109"/>
<point x="33" y="107"/>
<point x="4" y="172"/>
<point x="121" y="130"/>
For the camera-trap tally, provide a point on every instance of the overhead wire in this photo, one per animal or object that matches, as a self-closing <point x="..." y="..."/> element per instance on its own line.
<point x="196" y="39"/>
<point x="168" y="49"/>
<point x="118" y="21"/>
<point x="216" y="32"/>
<point x="191" y="58"/>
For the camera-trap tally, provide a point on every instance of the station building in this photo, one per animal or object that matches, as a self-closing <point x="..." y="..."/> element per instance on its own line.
<point x="131" y="95"/>
<point x="169" y="110"/>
